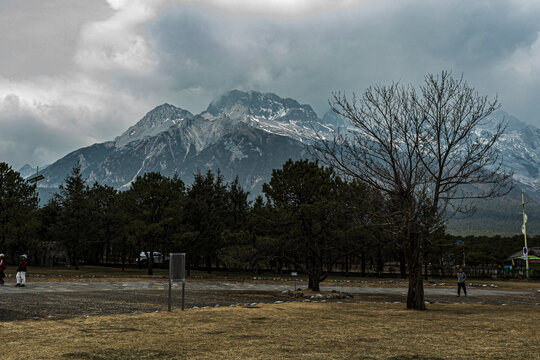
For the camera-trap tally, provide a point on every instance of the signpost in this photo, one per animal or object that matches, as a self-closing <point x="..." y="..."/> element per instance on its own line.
<point x="177" y="272"/>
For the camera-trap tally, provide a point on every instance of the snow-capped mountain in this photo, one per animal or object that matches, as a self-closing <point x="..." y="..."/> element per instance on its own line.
<point x="156" y="121"/>
<point x="28" y="170"/>
<point x="170" y="139"/>
<point x="519" y="147"/>
<point x="241" y="133"/>
<point x="270" y="113"/>
<point x="247" y="134"/>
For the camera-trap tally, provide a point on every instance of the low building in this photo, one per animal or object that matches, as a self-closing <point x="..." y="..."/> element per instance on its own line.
<point x="517" y="260"/>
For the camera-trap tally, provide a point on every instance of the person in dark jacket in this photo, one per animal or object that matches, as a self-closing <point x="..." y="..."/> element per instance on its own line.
<point x="461" y="277"/>
<point x="21" y="271"/>
<point x="2" y="268"/>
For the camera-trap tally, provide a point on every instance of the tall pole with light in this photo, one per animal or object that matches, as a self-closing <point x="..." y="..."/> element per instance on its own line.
<point x="34" y="180"/>
<point x="524" y="231"/>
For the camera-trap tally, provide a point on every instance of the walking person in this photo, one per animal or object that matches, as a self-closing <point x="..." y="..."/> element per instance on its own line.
<point x="21" y="271"/>
<point x="2" y="268"/>
<point x="461" y="277"/>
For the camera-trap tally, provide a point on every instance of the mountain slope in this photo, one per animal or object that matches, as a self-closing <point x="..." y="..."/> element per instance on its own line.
<point x="247" y="134"/>
<point x="228" y="136"/>
<point x="154" y="122"/>
<point x="88" y="157"/>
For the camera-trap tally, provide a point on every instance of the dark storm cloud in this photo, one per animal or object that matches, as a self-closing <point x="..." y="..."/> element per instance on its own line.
<point x="26" y="135"/>
<point x="83" y="71"/>
<point x="208" y="52"/>
<point x="38" y="37"/>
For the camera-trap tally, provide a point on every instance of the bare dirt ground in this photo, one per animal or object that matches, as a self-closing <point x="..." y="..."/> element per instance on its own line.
<point x="51" y="301"/>
<point x="91" y="303"/>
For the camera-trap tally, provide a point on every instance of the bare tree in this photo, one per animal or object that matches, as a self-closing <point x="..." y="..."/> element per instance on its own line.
<point x="419" y="148"/>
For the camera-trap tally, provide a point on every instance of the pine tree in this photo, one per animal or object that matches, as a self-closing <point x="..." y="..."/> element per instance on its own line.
<point x="310" y="217"/>
<point x="18" y="207"/>
<point x="73" y="228"/>
<point x="148" y="206"/>
<point x="205" y="217"/>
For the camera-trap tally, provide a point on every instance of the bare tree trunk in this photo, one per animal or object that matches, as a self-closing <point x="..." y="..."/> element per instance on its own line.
<point x="314" y="280"/>
<point x="208" y="264"/>
<point x="150" y="258"/>
<point x="415" y="295"/>
<point x="402" y="267"/>
<point x="363" y="264"/>
<point x="442" y="264"/>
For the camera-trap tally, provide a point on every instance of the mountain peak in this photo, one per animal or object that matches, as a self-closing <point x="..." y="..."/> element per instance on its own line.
<point x="162" y="113"/>
<point x="241" y="105"/>
<point x="27" y="170"/>
<point x="155" y="121"/>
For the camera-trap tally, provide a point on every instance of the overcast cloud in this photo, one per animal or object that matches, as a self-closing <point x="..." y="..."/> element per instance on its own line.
<point x="76" y="72"/>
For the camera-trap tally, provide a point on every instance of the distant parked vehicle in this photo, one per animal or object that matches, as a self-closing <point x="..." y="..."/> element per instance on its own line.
<point x="159" y="259"/>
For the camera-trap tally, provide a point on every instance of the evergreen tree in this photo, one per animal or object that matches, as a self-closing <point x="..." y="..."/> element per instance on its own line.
<point x="17" y="211"/>
<point x="73" y="228"/>
<point x="49" y="220"/>
<point x="123" y="246"/>
<point x="237" y="206"/>
<point x="205" y="217"/>
<point x="148" y="205"/>
<point x="310" y="217"/>
<point x="105" y="222"/>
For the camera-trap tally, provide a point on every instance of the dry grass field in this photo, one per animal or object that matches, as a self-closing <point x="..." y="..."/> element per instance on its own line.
<point x="286" y="331"/>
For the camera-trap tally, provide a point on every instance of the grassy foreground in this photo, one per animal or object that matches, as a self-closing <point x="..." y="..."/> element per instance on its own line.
<point x="286" y="331"/>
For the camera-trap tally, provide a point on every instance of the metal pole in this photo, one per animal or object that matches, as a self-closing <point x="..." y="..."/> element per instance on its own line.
<point x="183" y="291"/>
<point x="35" y="185"/>
<point x="525" y="233"/>
<point x="170" y="286"/>
<point x="463" y="248"/>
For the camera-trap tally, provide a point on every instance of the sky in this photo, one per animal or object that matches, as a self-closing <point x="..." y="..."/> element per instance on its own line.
<point x="77" y="72"/>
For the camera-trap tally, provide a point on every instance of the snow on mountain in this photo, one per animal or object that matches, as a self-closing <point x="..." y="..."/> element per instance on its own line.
<point x="270" y="113"/>
<point x="170" y="139"/>
<point x="167" y="152"/>
<point x="333" y="120"/>
<point x="27" y="170"/>
<point x="247" y="134"/>
<point x="237" y="104"/>
<point x="154" y="122"/>
<point x="519" y="147"/>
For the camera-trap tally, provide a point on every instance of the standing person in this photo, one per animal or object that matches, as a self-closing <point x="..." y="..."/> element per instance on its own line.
<point x="2" y="268"/>
<point x="21" y="271"/>
<point x="461" y="277"/>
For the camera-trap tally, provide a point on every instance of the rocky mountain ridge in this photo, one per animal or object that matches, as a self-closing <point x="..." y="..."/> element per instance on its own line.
<point x="247" y="134"/>
<point x="238" y="131"/>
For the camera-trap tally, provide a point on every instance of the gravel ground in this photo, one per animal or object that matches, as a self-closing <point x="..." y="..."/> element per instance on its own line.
<point x="59" y="305"/>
